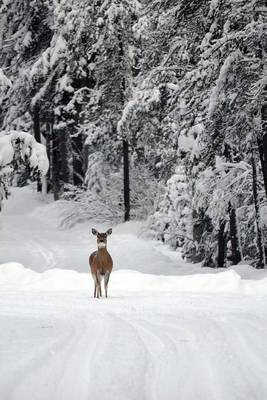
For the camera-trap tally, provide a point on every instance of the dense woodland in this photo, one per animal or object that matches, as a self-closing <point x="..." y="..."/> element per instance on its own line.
<point x="152" y="110"/>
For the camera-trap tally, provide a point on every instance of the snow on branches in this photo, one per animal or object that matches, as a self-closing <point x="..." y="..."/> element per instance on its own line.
<point x="20" y="154"/>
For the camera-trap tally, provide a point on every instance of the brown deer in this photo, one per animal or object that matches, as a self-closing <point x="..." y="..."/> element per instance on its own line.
<point x="101" y="262"/>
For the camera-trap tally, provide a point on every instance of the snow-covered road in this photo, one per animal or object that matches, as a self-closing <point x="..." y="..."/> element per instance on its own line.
<point x="30" y="234"/>
<point x="69" y="346"/>
<point x="157" y="337"/>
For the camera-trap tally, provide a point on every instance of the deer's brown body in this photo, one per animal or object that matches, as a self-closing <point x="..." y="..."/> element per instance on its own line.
<point x="101" y="263"/>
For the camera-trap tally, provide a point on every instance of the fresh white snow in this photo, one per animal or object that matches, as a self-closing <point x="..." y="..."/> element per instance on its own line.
<point x="168" y="331"/>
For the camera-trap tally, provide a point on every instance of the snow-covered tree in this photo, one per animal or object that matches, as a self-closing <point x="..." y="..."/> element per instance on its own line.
<point x="215" y="99"/>
<point x="130" y="97"/>
<point x="171" y="222"/>
<point x="20" y="154"/>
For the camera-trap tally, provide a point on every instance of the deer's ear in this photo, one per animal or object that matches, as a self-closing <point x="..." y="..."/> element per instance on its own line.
<point x="94" y="231"/>
<point x="109" y="231"/>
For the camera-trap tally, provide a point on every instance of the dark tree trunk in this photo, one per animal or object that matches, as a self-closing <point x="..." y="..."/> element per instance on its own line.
<point x="78" y="164"/>
<point x="126" y="180"/>
<point x="64" y="149"/>
<point x="125" y="145"/>
<point x="236" y="255"/>
<point x="262" y="144"/>
<point x="201" y="224"/>
<point x="36" y="124"/>
<point x="48" y="137"/>
<point x="263" y="163"/>
<point x="55" y="165"/>
<point x="260" y="242"/>
<point x="221" y="246"/>
<point x="37" y="136"/>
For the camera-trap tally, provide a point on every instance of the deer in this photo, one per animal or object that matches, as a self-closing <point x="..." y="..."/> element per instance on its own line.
<point x="100" y="262"/>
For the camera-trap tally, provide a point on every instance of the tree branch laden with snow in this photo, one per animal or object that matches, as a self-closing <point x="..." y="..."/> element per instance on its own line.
<point x="17" y="149"/>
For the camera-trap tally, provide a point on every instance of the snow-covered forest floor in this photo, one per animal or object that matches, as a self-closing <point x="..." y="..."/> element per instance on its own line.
<point x="169" y="330"/>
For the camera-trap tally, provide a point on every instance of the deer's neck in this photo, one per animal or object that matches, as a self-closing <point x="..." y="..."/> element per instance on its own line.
<point x="102" y="251"/>
<point x="103" y="256"/>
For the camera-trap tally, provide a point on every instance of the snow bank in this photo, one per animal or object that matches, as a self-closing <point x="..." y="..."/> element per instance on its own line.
<point x="14" y="276"/>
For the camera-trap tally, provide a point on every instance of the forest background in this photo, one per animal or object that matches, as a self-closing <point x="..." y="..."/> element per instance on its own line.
<point x="151" y="110"/>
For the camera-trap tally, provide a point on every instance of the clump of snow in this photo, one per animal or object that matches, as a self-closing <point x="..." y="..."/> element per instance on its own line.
<point x="4" y="81"/>
<point x="64" y="84"/>
<point x="214" y="6"/>
<point x="215" y="94"/>
<point x="27" y="40"/>
<point x="16" y="149"/>
<point x="28" y="147"/>
<point x="144" y="99"/>
<point x="6" y="150"/>
<point x="188" y="140"/>
<point x="58" y="50"/>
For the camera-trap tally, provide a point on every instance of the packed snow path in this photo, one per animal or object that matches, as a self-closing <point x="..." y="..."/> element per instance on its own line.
<point x="157" y="337"/>
<point x="30" y="235"/>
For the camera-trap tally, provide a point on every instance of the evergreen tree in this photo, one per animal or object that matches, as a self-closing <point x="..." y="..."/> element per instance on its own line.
<point x="147" y="103"/>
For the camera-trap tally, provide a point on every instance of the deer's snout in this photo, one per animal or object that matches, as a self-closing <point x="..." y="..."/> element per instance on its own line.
<point x="101" y="244"/>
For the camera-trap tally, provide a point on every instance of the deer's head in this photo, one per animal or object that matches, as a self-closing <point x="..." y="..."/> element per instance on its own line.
<point x="101" y="238"/>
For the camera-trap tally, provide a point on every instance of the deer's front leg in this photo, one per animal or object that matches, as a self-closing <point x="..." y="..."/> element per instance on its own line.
<point x="95" y="290"/>
<point x="95" y="282"/>
<point x="98" y="279"/>
<point x="106" y="279"/>
<point x="99" y="293"/>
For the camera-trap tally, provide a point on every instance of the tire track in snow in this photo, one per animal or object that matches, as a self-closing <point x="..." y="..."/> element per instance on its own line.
<point x="119" y="363"/>
<point x="203" y="359"/>
<point x="162" y="381"/>
<point x="53" y="368"/>
<point x="69" y="366"/>
<point x="26" y="370"/>
<point x="246" y="356"/>
<point x="92" y="349"/>
<point x="44" y="252"/>
<point x="75" y="378"/>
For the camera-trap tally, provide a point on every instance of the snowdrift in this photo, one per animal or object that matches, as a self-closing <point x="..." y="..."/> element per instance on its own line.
<point x="14" y="276"/>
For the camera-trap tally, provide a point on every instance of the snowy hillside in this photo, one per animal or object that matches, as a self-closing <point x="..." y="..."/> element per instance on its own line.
<point x="168" y="331"/>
